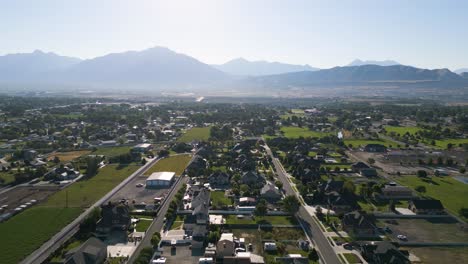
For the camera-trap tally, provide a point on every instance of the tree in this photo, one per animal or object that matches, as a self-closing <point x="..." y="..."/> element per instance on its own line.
<point x="163" y="153"/>
<point x="463" y="212"/>
<point x="462" y="170"/>
<point x="93" y="166"/>
<point x="279" y="184"/>
<point x="349" y="187"/>
<point x="420" y="188"/>
<point x="313" y="255"/>
<point x="291" y="204"/>
<point x="155" y="239"/>
<point x="261" y="209"/>
<point x="56" y="160"/>
<point x="422" y="174"/>
<point x="371" y="161"/>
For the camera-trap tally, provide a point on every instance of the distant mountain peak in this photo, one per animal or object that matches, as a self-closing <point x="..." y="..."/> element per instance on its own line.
<point x="242" y="66"/>
<point x="358" y="62"/>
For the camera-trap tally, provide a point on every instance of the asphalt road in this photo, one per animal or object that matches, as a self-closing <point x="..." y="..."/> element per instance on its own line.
<point x="158" y="222"/>
<point x="328" y="255"/>
<point x="42" y="253"/>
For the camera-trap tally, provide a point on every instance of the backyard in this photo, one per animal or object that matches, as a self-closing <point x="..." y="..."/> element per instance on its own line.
<point x="219" y="199"/>
<point x="68" y="156"/>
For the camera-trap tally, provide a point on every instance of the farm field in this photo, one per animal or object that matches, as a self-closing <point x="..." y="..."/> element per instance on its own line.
<point x="84" y="193"/>
<point x="176" y="163"/>
<point x="27" y="231"/>
<point x="196" y="133"/>
<point x="69" y="156"/>
<point x="402" y="130"/>
<point x="446" y="189"/>
<point x="112" y="151"/>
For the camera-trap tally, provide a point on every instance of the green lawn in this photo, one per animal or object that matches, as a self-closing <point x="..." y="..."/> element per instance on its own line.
<point x="143" y="225"/>
<point x="112" y="151"/>
<point x="352" y="258"/>
<point x="454" y="141"/>
<point x="85" y="193"/>
<point x="451" y="192"/>
<point x="27" y="231"/>
<point x="219" y="199"/>
<point x="196" y="133"/>
<point x="176" y="163"/>
<point x="7" y="177"/>
<point x="296" y="132"/>
<point x="402" y="130"/>
<point x="364" y="142"/>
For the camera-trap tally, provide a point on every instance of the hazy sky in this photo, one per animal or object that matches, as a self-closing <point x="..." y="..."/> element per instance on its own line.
<point x="431" y="34"/>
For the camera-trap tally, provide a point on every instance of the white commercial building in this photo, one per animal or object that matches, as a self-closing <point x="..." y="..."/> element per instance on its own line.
<point x="160" y="179"/>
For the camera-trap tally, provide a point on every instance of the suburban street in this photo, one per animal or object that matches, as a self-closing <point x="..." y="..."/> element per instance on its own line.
<point x="41" y="254"/>
<point x="312" y="228"/>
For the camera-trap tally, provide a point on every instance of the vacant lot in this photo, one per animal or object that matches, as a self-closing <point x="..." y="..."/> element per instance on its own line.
<point x="402" y="130"/>
<point x="434" y="230"/>
<point x="296" y="132"/>
<point x="196" y="133"/>
<point x="451" y="192"/>
<point x="69" y="156"/>
<point x="112" y="151"/>
<point x="440" y="255"/>
<point x="27" y="231"/>
<point x="176" y="163"/>
<point x="85" y="193"/>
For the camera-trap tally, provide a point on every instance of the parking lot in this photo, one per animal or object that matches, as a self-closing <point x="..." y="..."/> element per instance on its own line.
<point x="180" y="255"/>
<point x="136" y="191"/>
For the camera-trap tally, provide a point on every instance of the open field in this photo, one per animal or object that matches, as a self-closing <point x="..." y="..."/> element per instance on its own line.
<point x="143" y="225"/>
<point x="112" y="151"/>
<point x="296" y="132"/>
<point x="27" y="231"/>
<point x="402" y="130"/>
<point x="363" y="142"/>
<point x="176" y="163"/>
<point x="68" y="156"/>
<point x="440" y="255"/>
<point x="434" y="230"/>
<point x="219" y="199"/>
<point x="196" y="133"/>
<point x="450" y="191"/>
<point x="85" y="193"/>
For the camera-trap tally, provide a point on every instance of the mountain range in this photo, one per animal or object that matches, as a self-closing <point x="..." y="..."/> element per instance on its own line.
<point x="159" y="68"/>
<point x="241" y="66"/>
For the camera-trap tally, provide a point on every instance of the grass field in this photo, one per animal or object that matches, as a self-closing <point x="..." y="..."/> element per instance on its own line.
<point x="402" y="130"/>
<point x="176" y="163"/>
<point x="7" y="177"/>
<point x="364" y="142"/>
<point x="69" y="156"/>
<point x="352" y="258"/>
<point x="143" y="225"/>
<point x="296" y="132"/>
<point x="112" y="151"/>
<point x="451" y="192"/>
<point x="85" y="193"/>
<point x="454" y="141"/>
<point x="27" y="231"/>
<point x="196" y="133"/>
<point x="219" y="200"/>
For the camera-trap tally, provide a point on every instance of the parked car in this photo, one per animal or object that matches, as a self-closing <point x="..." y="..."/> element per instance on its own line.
<point x="402" y="237"/>
<point x="140" y="185"/>
<point x="348" y="246"/>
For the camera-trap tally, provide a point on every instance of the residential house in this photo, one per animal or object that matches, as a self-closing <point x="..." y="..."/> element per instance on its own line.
<point x="359" y="224"/>
<point x="115" y="216"/>
<point x="396" y="192"/>
<point x="253" y="179"/>
<point x="292" y="259"/>
<point x="225" y="246"/>
<point x="431" y="207"/>
<point x="340" y="203"/>
<point x="382" y="252"/>
<point x="219" y="180"/>
<point x="244" y="258"/>
<point x="375" y="148"/>
<point x="142" y="148"/>
<point x="270" y="192"/>
<point x="90" y="252"/>
<point x="196" y="224"/>
<point x="358" y="166"/>
<point x="368" y="172"/>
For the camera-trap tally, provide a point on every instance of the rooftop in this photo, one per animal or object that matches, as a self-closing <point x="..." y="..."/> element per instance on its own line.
<point x="162" y="175"/>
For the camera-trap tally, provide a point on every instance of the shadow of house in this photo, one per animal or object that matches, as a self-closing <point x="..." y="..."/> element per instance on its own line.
<point x="90" y="252"/>
<point x="114" y="217"/>
<point x="382" y="252"/>
<point x="359" y="224"/>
